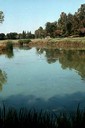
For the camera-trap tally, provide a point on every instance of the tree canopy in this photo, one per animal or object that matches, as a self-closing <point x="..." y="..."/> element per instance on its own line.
<point x="67" y="25"/>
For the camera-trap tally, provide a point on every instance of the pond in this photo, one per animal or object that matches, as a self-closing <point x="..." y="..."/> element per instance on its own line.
<point x="41" y="78"/>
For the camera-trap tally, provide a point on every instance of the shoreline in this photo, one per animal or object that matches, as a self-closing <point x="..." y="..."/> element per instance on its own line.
<point x="60" y="43"/>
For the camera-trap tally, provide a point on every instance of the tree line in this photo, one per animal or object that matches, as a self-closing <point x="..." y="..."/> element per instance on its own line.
<point x="15" y="35"/>
<point x="67" y="25"/>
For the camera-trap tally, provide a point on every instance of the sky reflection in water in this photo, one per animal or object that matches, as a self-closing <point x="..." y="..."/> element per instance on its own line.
<point x="43" y="78"/>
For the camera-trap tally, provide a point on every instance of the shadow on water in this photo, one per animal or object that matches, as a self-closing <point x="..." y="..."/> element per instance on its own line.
<point x="3" y="79"/>
<point x="72" y="59"/>
<point x="9" y="54"/>
<point x="24" y="48"/>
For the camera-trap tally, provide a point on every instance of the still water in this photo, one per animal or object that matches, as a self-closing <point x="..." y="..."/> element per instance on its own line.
<point x="49" y="79"/>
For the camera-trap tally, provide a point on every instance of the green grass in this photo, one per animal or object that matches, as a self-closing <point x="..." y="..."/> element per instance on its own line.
<point x="70" y="39"/>
<point x="23" y="118"/>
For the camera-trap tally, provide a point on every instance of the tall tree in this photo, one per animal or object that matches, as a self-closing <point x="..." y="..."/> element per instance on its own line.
<point x="2" y="36"/>
<point x="62" y="22"/>
<point x="76" y="23"/>
<point x="40" y="33"/>
<point x="69" y="24"/>
<point x="24" y="35"/>
<point x="51" y="28"/>
<point x="12" y="35"/>
<point x="81" y="15"/>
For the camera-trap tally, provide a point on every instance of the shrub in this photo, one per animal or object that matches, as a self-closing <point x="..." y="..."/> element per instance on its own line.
<point x="9" y="46"/>
<point x="24" y="41"/>
<point x="20" y="42"/>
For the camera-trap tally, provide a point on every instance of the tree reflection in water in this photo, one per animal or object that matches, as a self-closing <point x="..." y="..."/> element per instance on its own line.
<point x="72" y="59"/>
<point x="9" y="54"/>
<point x="3" y="79"/>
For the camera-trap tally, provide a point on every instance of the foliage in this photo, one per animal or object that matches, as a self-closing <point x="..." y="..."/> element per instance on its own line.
<point x="24" y="41"/>
<point x="51" y="28"/>
<point x="26" y="35"/>
<point x="23" y="35"/>
<point x="62" y="22"/>
<point x="40" y="33"/>
<point x="2" y="36"/>
<point x="29" y="35"/>
<point x="12" y="35"/>
<point x="81" y="32"/>
<point x="67" y="25"/>
<point x="9" y="46"/>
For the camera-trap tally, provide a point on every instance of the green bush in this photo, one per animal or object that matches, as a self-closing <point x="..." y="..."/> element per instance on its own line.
<point x="24" y="41"/>
<point x="20" y="42"/>
<point x="9" y="46"/>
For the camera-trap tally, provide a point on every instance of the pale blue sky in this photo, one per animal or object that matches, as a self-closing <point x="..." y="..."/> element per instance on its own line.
<point x="31" y="14"/>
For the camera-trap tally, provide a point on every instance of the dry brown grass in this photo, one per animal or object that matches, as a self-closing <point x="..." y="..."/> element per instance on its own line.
<point x="64" y="43"/>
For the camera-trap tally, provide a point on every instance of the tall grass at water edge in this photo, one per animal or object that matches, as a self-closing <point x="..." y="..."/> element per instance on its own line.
<point x="23" y="118"/>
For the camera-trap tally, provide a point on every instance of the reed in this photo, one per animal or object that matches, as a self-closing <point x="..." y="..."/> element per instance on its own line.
<point x="24" y="118"/>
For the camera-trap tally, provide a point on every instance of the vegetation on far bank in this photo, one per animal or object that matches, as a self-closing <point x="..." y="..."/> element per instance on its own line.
<point x="69" y="39"/>
<point x="68" y="31"/>
<point x="67" y="25"/>
<point x="65" y="43"/>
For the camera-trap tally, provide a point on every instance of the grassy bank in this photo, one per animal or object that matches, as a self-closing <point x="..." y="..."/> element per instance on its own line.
<point x="70" y="39"/>
<point x="23" y="118"/>
<point x="64" y="43"/>
<point x="9" y="44"/>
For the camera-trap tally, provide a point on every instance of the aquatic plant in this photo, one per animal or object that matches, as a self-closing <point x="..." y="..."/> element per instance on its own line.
<point x="24" y="118"/>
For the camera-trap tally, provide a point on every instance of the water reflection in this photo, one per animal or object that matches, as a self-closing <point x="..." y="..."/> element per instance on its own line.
<point x="72" y="59"/>
<point x="50" y="54"/>
<point x="24" y="47"/>
<point x="28" y="77"/>
<point x="9" y="54"/>
<point x="3" y="79"/>
<point x="56" y="103"/>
